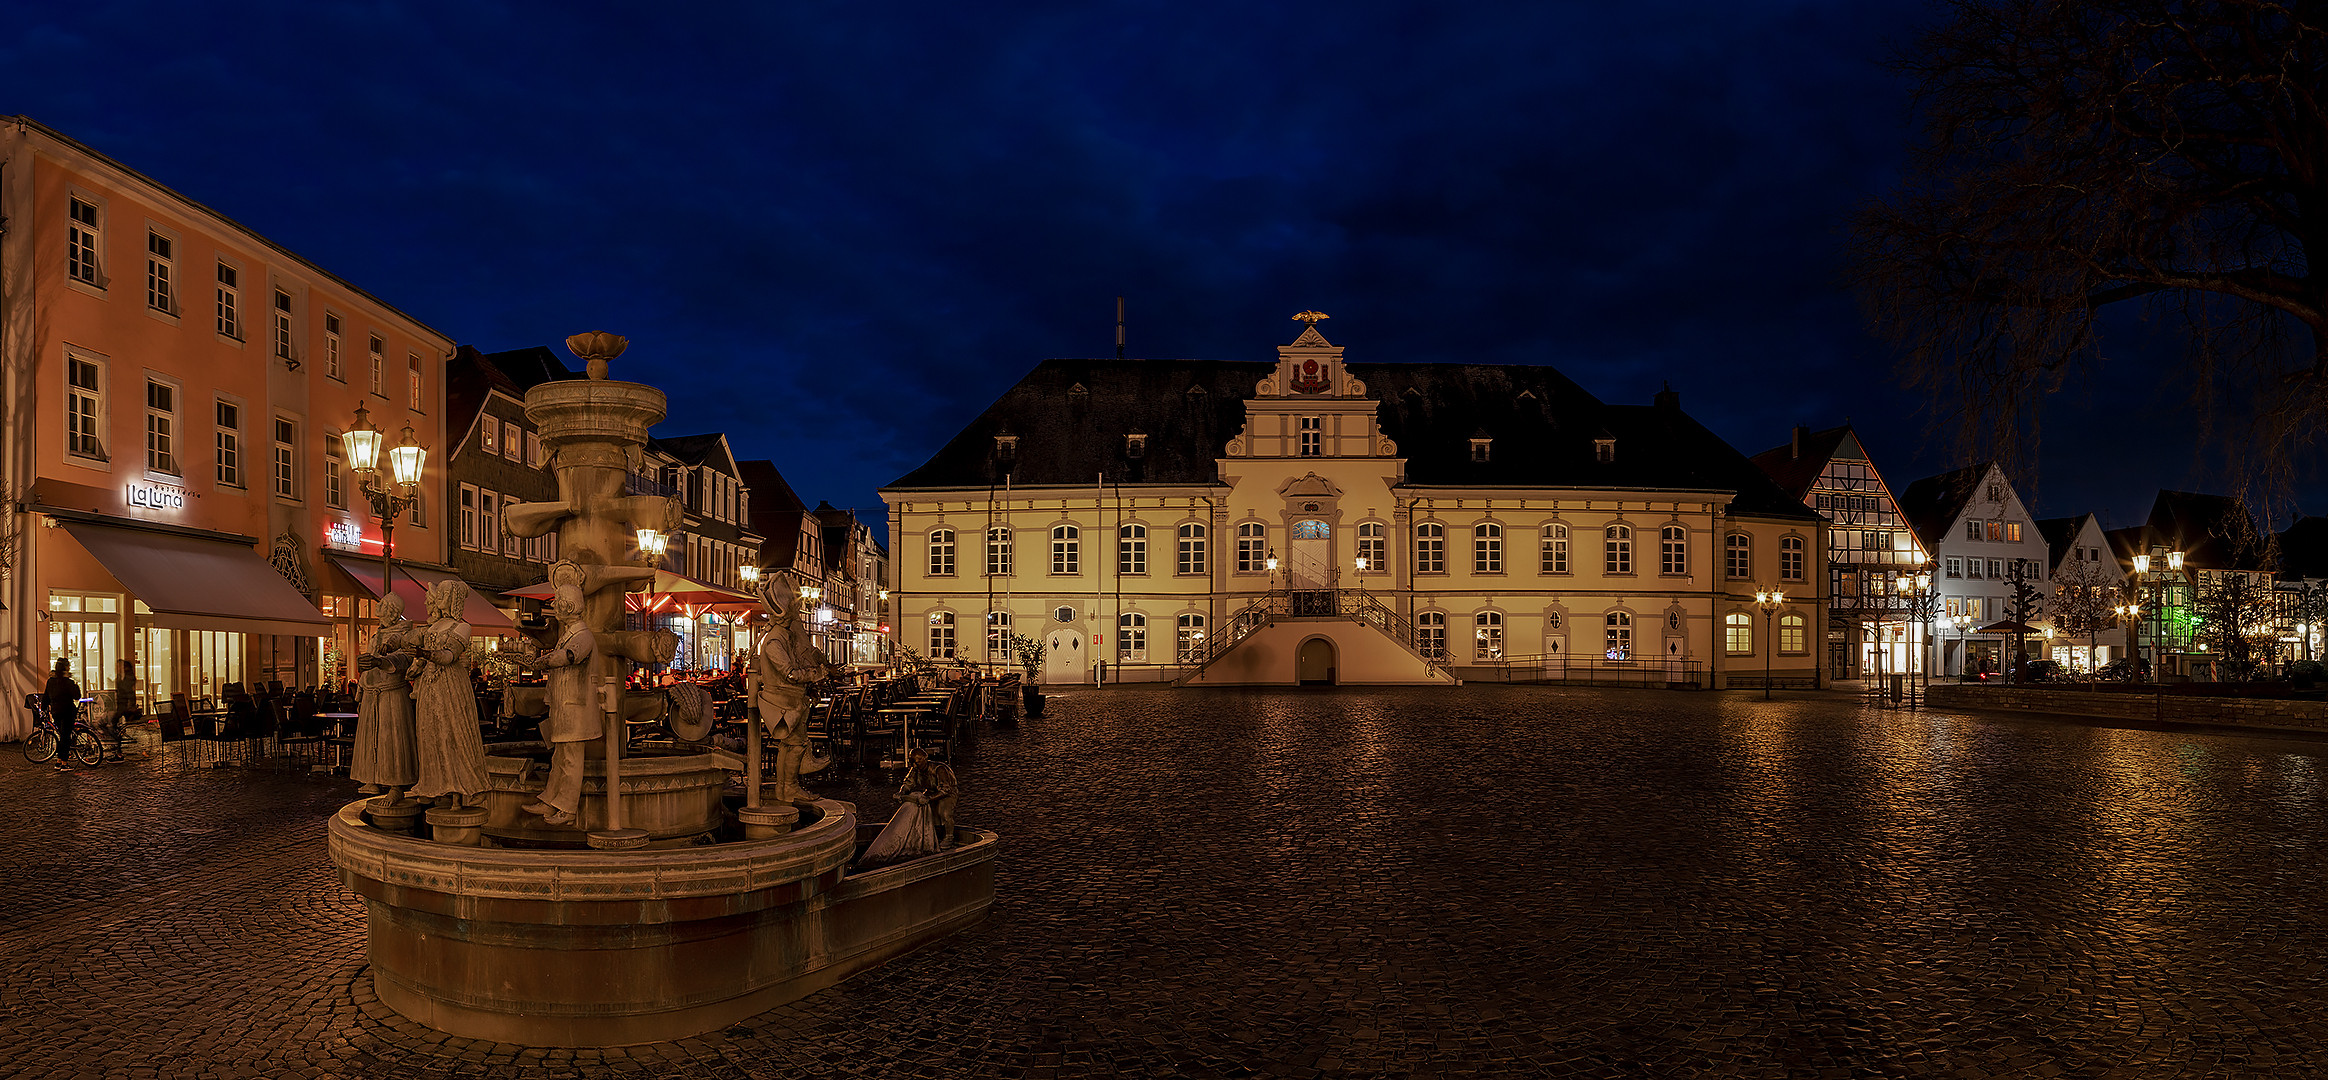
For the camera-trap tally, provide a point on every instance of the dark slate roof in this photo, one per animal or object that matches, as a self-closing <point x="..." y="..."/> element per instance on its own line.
<point x="2303" y="548"/>
<point x="776" y="511"/>
<point x="2059" y="533"/>
<point x="2213" y="532"/>
<point x="1933" y="503"/>
<point x="1071" y="416"/>
<point x="529" y="367"/>
<point x="688" y="449"/>
<point x="1795" y="473"/>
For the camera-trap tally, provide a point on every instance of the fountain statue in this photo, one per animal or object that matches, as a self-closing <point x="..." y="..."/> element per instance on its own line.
<point x="616" y="896"/>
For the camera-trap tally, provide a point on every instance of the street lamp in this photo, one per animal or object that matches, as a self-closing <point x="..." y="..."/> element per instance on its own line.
<point x="1769" y="602"/>
<point x="1921" y="602"/>
<point x="1963" y="624"/>
<point x="750" y="574"/>
<point x="653" y="544"/>
<point x="362" y="442"/>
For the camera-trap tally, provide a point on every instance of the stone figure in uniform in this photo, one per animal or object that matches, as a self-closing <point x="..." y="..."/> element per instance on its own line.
<point x="574" y="716"/>
<point x="784" y="665"/>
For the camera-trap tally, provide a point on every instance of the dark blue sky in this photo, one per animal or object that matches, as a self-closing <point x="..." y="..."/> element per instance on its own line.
<point x="838" y="230"/>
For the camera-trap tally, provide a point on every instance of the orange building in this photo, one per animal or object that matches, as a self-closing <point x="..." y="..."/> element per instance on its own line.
<point x="174" y="387"/>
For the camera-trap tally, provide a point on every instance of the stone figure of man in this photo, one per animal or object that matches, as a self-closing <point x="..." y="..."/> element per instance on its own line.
<point x="574" y="716"/>
<point x="784" y="665"/>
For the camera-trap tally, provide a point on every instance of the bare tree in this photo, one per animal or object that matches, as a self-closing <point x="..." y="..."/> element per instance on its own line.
<point x="2083" y="596"/>
<point x="2025" y="602"/>
<point x="2234" y="616"/>
<point x="2165" y="154"/>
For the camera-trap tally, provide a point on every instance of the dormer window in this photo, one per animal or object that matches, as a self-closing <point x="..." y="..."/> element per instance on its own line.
<point x="1604" y="450"/>
<point x="1479" y="449"/>
<point x="1135" y="446"/>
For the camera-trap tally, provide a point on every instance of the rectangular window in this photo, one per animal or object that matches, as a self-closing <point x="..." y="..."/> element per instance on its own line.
<point x="1996" y="568"/>
<point x="286" y="459"/>
<point x="998" y="636"/>
<point x="1554" y="558"/>
<point x="379" y="357"/>
<point x="509" y="545"/>
<point x="533" y="450"/>
<point x="1617" y="550"/>
<point x="1996" y="530"/>
<point x="229" y="294"/>
<point x="282" y="325"/>
<point x="1132" y="549"/>
<point x="161" y="274"/>
<point x="942" y="553"/>
<point x="1955" y="566"/>
<point x="1192" y="560"/>
<point x="1312" y="436"/>
<point x="489" y="436"/>
<point x="229" y="444"/>
<point x="331" y="346"/>
<point x="1066" y="550"/>
<point x="81" y="242"/>
<point x="1738" y="634"/>
<point x="2012" y="532"/>
<point x="512" y="441"/>
<point x="1793" y="635"/>
<point x="1252" y="548"/>
<point x="998" y="551"/>
<point x="335" y="481"/>
<point x="162" y="428"/>
<point x="1972" y="530"/>
<point x="1672" y="551"/>
<point x="488" y="520"/>
<point x="1374" y="547"/>
<point x="412" y="379"/>
<point x="1430" y="548"/>
<point x="1487" y="549"/>
<point x="84" y="408"/>
<point x="1971" y="568"/>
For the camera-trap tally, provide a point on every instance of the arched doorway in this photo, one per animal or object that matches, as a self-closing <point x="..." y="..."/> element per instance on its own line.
<point x="1310" y="563"/>
<point x="1314" y="662"/>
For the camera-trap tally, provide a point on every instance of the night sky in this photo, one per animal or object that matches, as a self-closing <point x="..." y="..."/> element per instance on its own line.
<point x="847" y="226"/>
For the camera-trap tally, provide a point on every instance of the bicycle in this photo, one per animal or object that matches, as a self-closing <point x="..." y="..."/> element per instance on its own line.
<point x="88" y="746"/>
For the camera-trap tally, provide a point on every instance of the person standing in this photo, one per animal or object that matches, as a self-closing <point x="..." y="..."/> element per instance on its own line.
<point x="124" y="705"/>
<point x="63" y="697"/>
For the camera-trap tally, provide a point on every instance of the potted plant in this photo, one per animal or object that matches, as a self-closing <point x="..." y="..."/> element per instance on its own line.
<point x="1029" y="653"/>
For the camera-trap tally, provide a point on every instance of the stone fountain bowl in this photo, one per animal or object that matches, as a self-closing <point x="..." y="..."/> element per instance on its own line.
<point x="614" y="948"/>
<point x="674" y="796"/>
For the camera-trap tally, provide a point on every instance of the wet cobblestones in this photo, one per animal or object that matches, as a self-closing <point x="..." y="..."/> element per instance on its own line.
<point x="1497" y="881"/>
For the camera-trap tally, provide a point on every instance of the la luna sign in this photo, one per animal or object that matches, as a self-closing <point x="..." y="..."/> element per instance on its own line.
<point x="156" y="496"/>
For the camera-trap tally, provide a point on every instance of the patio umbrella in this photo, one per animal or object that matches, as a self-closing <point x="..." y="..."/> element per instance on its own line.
<point x="666" y="591"/>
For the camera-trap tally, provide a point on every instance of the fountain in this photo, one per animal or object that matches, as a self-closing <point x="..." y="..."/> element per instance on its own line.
<point x="619" y="923"/>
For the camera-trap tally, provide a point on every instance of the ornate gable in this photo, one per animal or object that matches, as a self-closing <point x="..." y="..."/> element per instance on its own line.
<point x="1309" y="393"/>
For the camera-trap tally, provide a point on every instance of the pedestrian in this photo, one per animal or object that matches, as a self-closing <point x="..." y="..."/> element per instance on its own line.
<point x="63" y="697"/>
<point x="124" y="705"/>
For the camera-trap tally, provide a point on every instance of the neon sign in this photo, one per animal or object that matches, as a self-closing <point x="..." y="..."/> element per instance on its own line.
<point x="156" y="496"/>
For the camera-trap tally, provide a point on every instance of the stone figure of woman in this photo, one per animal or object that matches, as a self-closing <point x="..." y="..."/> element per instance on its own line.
<point x="383" y="752"/>
<point x="449" y="743"/>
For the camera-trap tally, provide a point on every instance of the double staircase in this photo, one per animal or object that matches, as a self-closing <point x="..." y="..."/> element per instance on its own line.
<point x="1356" y="608"/>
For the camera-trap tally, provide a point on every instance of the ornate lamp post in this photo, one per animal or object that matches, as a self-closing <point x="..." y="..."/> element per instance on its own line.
<point x="750" y="574"/>
<point x="362" y="442"/>
<point x="1963" y="625"/>
<point x="1922" y="600"/>
<point x="1769" y="602"/>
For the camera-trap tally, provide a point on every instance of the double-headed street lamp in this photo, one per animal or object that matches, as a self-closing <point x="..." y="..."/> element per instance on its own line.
<point x="2174" y="563"/>
<point x="1769" y="602"/>
<point x="362" y="442"/>
<point x="1963" y="624"/>
<point x="1923" y="599"/>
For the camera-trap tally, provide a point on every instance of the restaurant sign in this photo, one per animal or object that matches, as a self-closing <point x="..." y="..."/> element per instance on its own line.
<point x="156" y="496"/>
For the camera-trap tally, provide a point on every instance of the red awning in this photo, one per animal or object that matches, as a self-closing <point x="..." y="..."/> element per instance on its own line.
<point x="413" y="583"/>
<point x="192" y="583"/>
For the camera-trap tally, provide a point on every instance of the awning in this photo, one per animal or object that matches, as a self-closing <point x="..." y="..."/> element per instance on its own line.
<point x="413" y="583"/>
<point x="192" y="583"/>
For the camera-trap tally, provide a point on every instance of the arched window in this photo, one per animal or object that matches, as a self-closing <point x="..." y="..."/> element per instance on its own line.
<point x="1617" y="549"/>
<point x="1740" y="556"/>
<point x="1373" y="548"/>
<point x="1487" y="548"/>
<point x="998" y="637"/>
<point x="1132" y="549"/>
<point x="1430" y="548"/>
<point x="1131" y="638"/>
<point x="1790" y="559"/>
<point x="1431" y="634"/>
<point x="1738" y="633"/>
<point x="941" y="635"/>
<point x="1673" y="550"/>
<point x="1066" y="550"/>
<point x="1793" y="635"/>
<point x="1555" y="554"/>
<point x="1619" y="635"/>
<point x="998" y="551"/>
<point x="941" y="553"/>
<point x="1191" y="638"/>
<point x="1487" y="636"/>
<point x="1252" y="548"/>
<point x="1192" y="549"/>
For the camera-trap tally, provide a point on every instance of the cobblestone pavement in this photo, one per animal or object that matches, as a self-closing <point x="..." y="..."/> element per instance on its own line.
<point x="1496" y="881"/>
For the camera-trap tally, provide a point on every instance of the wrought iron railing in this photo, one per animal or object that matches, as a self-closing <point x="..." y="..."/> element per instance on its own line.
<point x="1561" y="667"/>
<point x="1267" y="608"/>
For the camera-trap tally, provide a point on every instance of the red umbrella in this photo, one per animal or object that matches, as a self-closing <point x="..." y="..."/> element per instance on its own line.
<point x="666" y="592"/>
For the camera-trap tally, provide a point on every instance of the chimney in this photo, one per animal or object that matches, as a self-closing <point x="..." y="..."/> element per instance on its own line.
<point x="1667" y="399"/>
<point x="1799" y="432"/>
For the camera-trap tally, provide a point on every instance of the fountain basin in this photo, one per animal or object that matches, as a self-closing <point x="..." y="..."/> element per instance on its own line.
<point x="591" y="948"/>
<point x="674" y="797"/>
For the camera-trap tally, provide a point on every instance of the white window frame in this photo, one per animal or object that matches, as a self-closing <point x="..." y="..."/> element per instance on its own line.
<point x="1738" y="556"/>
<point x="1793" y="558"/>
<point x="1738" y="634"/>
<point x="489" y="436"/>
<point x="1794" y="635"/>
<point x="1487" y="636"/>
<point x="85" y="241"/>
<point x="335" y="472"/>
<point x="998" y="630"/>
<point x="468" y="511"/>
<point x="1190" y="554"/>
<point x="226" y="286"/>
<point x="942" y="551"/>
<point x="1131" y="638"/>
<point x="412" y="380"/>
<point x="162" y="273"/>
<point x="1066" y="550"/>
<point x="488" y="519"/>
<point x="1188" y="636"/>
<point x="1431" y="634"/>
<point x="1132" y="549"/>
<point x="1312" y="431"/>
<point x="1374" y="547"/>
<point x="1672" y="550"/>
<point x="1617" y="549"/>
<point x="1617" y="635"/>
<point x="1552" y="555"/>
<point x="376" y="350"/>
<point x="283" y="475"/>
<point x="1252" y="547"/>
<point x="164" y="439"/>
<point x="332" y="325"/>
<point x="1430" y="547"/>
<point x="1487" y="548"/>
<point x="228" y="446"/>
<point x="942" y="640"/>
<point x="282" y="327"/>
<point x="998" y="551"/>
<point x="85" y="408"/>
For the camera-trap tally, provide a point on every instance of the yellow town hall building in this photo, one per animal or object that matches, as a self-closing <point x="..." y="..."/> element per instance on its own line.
<point x="1316" y="521"/>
